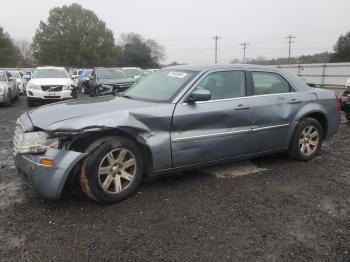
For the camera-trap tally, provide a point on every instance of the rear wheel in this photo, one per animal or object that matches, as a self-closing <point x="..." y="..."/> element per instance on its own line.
<point x="307" y="140"/>
<point x="112" y="171"/>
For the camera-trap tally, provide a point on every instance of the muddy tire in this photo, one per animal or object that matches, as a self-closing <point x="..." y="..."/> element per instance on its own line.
<point x="112" y="171"/>
<point x="307" y="140"/>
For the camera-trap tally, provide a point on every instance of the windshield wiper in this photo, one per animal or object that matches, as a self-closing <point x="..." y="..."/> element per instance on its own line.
<point x="125" y="96"/>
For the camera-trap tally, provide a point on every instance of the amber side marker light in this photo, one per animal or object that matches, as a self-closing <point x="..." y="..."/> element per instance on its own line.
<point x="46" y="162"/>
<point x="348" y="94"/>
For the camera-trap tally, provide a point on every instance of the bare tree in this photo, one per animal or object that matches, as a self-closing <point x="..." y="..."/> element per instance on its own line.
<point x="26" y="52"/>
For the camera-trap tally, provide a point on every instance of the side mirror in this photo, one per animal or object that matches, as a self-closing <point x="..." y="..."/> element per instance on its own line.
<point x="91" y="77"/>
<point x="11" y="78"/>
<point x="27" y="77"/>
<point x="199" y="95"/>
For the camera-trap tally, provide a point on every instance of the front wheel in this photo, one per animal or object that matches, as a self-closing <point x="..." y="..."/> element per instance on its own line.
<point x="112" y="171"/>
<point x="9" y="98"/>
<point x="307" y="140"/>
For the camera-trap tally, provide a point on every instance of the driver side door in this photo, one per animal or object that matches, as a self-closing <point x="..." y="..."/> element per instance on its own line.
<point x="217" y="129"/>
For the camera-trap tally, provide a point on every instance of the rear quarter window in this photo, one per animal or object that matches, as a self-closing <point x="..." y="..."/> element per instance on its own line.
<point x="265" y="83"/>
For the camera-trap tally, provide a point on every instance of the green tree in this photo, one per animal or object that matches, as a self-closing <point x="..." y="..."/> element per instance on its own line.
<point x="136" y="51"/>
<point x="74" y="36"/>
<point x="9" y="54"/>
<point x="342" y="49"/>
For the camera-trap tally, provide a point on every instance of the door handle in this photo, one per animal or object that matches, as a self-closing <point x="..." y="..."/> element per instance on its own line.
<point x="295" y="101"/>
<point x="242" y="107"/>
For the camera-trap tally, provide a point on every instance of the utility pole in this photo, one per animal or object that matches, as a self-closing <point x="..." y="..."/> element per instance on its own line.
<point x="245" y="46"/>
<point x="216" y="38"/>
<point x="290" y="42"/>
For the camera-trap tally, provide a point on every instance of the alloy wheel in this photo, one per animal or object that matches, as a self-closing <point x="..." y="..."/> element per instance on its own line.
<point x="117" y="170"/>
<point x="309" y="140"/>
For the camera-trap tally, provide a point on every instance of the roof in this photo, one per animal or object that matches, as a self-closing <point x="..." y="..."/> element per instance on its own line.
<point x="50" y="67"/>
<point x="219" y="66"/>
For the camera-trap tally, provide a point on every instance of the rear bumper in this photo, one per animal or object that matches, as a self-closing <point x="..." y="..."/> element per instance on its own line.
<point x="48" y="182"/>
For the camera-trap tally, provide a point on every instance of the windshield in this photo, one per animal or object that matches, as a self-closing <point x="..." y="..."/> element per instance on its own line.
<point x="134" y="71"/>
<point x="2" y="77"/>
<point x="161" y="86"/>
<point x="15" y="74"/>
<point x="111" y="74"/>
<point x="50" y="73"/>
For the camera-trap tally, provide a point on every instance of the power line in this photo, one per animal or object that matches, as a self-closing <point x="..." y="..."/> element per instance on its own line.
<point x="245" y="46"/>
<point x="290" y="42"/>
<point x="216" y="38"/>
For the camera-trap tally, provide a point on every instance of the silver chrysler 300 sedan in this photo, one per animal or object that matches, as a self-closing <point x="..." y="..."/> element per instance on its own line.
<point x="179" y="118"/>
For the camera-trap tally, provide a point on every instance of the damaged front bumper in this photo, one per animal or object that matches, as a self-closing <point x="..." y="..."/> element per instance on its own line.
<point x="48" y="181"/>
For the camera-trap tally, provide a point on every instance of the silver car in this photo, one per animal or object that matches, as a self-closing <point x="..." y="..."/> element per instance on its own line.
<point x="8" y="88"/>
<point x="183" y="117"/>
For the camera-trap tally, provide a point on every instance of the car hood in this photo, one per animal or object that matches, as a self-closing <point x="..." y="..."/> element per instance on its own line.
<point x="115" y="81"/>
<point x="85" y="113"/>
<point x="51" y="81"/>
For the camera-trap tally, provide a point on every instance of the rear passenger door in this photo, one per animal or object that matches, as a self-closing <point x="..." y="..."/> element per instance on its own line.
<point x="275" y="106"/>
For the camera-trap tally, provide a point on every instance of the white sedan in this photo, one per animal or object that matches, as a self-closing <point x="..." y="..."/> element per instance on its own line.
<point x="50" y="84"/>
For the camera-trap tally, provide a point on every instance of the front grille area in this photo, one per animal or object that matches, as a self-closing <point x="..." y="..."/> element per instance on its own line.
<point x="122" y="86"/>
<point x="52" y="97"/>
<point x="18" y="132"/>
<point x="52" y="88"/>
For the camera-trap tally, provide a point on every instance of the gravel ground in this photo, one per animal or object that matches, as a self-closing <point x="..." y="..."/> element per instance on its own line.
<point x="267" y="209"/>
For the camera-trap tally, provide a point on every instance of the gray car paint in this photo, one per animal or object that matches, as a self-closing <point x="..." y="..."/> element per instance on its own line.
<point x="183" y="135"/>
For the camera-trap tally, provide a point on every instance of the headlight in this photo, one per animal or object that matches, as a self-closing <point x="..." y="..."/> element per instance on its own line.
<point x="34" y="87"/>
<point x="1" y="90"/>
<point x="34" y="142"/>
<point x="69" y="87"/>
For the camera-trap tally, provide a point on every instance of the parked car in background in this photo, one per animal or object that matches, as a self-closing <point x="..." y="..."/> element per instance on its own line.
<point x="83" y="83"/>
<point x="50" y="84"/>
<point x="8" y="88"/>
<point x="151" y="71"/>
<point x="114" y="79"/>
<point x="183" y="117"/>
<point x="345" y="98"/>
<point x="133" y="72"/>
<point x="76" y="75"/>
<point x="20" y="81"/>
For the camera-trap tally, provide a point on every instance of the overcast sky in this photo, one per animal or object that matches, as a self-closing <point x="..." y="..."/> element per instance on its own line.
<point x="186" y="27"/>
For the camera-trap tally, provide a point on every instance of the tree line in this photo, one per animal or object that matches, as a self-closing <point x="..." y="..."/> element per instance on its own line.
<point x="76" y="37"/>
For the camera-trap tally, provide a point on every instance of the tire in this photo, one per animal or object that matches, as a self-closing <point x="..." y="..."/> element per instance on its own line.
<point x="307" y="140"/>
<point x="9" y="99"/>
<point x="92" y="91"/>
<point x="347" y="116"/>
<point x="103" y="177"/>
<point x="74" y="94"/>
<point x="30" y="103"/>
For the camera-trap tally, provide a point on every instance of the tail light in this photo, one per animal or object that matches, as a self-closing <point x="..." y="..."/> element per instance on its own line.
<point x="338" y="103"/>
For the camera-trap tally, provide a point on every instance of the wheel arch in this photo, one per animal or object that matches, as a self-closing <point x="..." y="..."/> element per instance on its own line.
<point x="319" y="115"/>
<point x="80" y="142"/>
